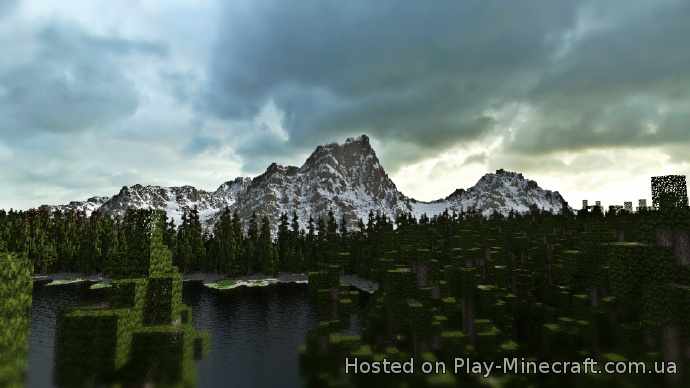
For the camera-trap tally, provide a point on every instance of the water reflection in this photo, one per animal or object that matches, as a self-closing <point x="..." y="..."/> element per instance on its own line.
<point x="141" y="336"/>
<point x="244" y="352"/>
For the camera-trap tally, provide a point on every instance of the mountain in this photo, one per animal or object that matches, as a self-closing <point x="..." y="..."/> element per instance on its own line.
<point x="501" y="192"/>
<point x="346" y="178"/>
<point x="89" y="206"/>
<point x="176" y="200"/>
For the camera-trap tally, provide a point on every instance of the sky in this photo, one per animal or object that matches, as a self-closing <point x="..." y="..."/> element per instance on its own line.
<point x="587" y="97"/>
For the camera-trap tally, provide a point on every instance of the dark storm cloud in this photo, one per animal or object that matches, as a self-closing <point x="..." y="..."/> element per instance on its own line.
<point x="75" y="81"/>
<point x="625" y="85"/>
<point x="428" y="75"/>
<point x="424" y="73"/>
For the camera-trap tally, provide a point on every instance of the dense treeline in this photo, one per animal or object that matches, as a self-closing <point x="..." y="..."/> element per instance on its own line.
<point x="611" y="287"/>
<point x="70" y="241"/>
<point x="73" y="242"/>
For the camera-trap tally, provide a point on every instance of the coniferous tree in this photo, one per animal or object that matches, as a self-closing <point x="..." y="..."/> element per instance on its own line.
<point x="310" y="244"/>
<point x="424" y="219"/>
<point x="296" y="242"/>
<point x="224" y="243"/>
<point x="295" y="223"/>
<point x="196" y="240"/>
<point x="170" y="236"/>
<point x="371" y="221"/>
<point x="266" y="254"/>
<point x="251" y="244"/>
<point x="239" y="265"/>
<point x="183" y="253"/>
<point x="208" y="263"/>
<point x="320" y="249"/>
<point x="106" y="236"/>
<point x="284" y="243"/>
<point x="332" y="226"/>
<point x="322" y="229"/>
<point x="343" y="227"/>
<point x="89" y="253"/>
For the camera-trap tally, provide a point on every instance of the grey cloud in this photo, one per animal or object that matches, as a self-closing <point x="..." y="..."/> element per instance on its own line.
<point x="623" y="85"/>
<point x="74" y="82"/>
<point x="476" y="158"/>
<point x="419" y="72"/>
<point x="442" y="167"/>
<point x="429" y="74"/>
<point x="200" y="143"/>
<point x="419" y="77"/>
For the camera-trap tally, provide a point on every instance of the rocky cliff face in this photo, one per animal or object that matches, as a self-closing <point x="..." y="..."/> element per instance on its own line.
<point x="175" y="200"/>
<point x="346" y="178"/>
<point x="89" y="206"/>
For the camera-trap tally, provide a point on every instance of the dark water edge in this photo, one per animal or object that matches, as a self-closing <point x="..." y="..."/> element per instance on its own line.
<point x="255" y="332"/>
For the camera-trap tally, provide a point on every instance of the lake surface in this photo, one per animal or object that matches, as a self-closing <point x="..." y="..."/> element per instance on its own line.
<point x="255" y="332"/>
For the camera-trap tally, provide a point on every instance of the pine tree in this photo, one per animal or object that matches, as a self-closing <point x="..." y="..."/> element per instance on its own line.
<point x="371" y="221"/>
<point x="183" y="255"/>
<point x="266" y="252"/>
<point x="284" y="243"/>
<point x="251" y="246"/>
<point x="253" y="231"/>
<point x="106" y="236"/>
<point x="331" y="227"/>
<point x="295" y="259"/>
<point x="240" y="264"/>
<point x="196" y="240"/>
<point x="224" y="243"/>
<point x="170" y="235"/>
<point x="310" y="245"/>
<point x="89" y="251"/>
<point x="322" y="229"/>
<point x="343" y="227"/>
<point x="295" y="223"/>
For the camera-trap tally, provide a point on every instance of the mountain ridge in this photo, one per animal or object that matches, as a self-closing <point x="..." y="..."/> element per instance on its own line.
<point x="346" y="178"/>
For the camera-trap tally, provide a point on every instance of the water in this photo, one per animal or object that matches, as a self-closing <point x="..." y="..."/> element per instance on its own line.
<point x="255" y="332"/>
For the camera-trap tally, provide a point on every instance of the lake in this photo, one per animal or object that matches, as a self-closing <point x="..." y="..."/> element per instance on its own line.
<point x="255" y="332"/>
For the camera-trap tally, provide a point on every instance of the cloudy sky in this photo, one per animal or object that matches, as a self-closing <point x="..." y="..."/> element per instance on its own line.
<point x="588" y="97"/>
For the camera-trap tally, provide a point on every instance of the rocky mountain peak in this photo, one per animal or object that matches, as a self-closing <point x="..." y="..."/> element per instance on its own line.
<point x="346" y="178"/>
<point x="234" y="186"/>
<point x="354" y="151"/>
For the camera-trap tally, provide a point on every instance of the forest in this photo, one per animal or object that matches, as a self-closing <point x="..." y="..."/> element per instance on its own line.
<point x="71" y="241"/>
<point x="608" y="285"/>
<point x="611" y="287"/>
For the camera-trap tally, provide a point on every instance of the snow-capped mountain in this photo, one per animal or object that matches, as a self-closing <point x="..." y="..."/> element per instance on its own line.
<point x="176" y="200"/>
<point x="89" y="206"/>
<point x="346" y="178"/>
<point x="501" y="192"/>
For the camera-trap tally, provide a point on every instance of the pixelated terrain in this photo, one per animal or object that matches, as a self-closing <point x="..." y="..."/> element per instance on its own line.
<point x="344" y="194"/>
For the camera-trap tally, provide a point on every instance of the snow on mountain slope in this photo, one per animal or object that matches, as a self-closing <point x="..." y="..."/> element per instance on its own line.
<point x="89" y="206"/>
<point x="501" y="192"/>
<point x="346" y="178"/>
<point x="176" y="200"/>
